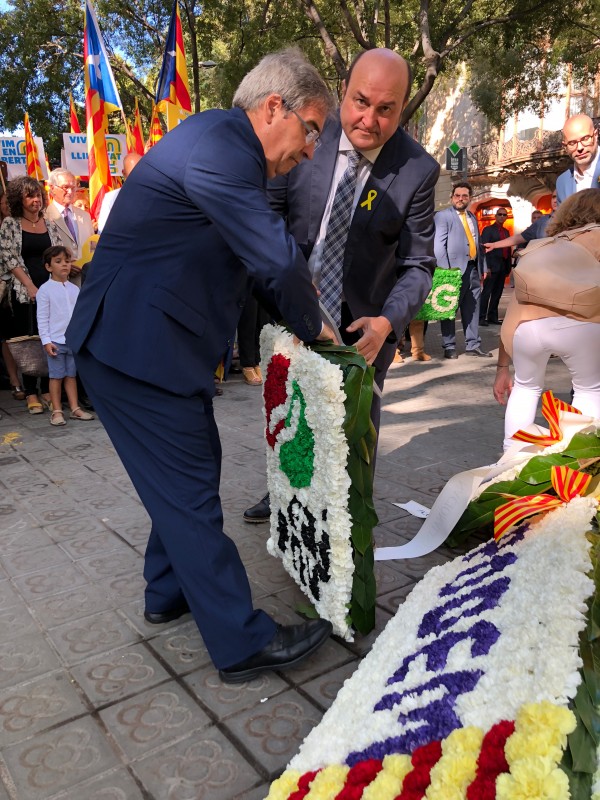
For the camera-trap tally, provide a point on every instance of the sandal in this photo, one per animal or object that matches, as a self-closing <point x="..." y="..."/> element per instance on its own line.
<point x="46" y="403"/>
<point x="79" y="413"/>
<point x="57" y="418"/>
<point x="34" y="406"/>
<point x="17" y="392"/>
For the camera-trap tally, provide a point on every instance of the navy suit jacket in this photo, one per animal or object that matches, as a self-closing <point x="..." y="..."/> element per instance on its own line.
<point x="565" y="183"/>
<point x="451" y="243"/>
<point x="388" y="260"/>
<point x="171" y="271"/>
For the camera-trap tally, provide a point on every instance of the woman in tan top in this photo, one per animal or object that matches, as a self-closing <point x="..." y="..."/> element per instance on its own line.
<point x="531" y="333"/>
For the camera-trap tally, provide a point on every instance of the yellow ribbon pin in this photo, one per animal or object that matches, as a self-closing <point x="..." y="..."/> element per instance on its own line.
<point x="370" y="197"/>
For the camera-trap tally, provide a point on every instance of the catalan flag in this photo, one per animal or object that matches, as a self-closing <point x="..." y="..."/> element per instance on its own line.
<point x="34" y="168"/>
<point x="172" y="93"/>
<point x="137" y="133"/>
<point x="156" y="131"/>
<point x="101" y="96"/>
<point x="73" y="116"/>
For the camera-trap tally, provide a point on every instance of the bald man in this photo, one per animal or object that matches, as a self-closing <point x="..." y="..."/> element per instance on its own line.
<point x="129" y="162"/>
<point x="385" y="256"/>
<point x="580" y="140"/>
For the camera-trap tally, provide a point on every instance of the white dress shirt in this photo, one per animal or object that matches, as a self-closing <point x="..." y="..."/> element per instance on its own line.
<point x="583" y="180"/>
<point x="55" y="302"/>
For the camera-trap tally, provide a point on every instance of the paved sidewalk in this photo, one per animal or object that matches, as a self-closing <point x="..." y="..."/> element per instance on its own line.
<point x="95" y="704"/>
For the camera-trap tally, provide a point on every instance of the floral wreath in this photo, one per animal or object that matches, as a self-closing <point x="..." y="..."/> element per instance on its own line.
<point x="485" y="683"/>
<point x="320" y="444"/>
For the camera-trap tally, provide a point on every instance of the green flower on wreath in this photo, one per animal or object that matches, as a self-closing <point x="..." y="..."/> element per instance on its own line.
<point x="297" y="456"/>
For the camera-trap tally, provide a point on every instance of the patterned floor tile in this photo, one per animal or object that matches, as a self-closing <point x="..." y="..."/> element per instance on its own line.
<point x="8" y="595"/>
<point x="18" y="540"/>
<point x="50" y="581"/>
<point x="91" y="544"/>
<point x="323" y="690"/>
<point x="205" y="766"/>
<point x="182" y="648"/>
<point x="224" y="699"/>
<point x="16" y="621"/>
<point x="33" y="560"/>
<point x="118" y="674"/>
<point x="80" y="639"/>
<point x="26" y="657"/>
<point x="115" y="785"/>
<point x="34" y="706"/>
<point x="71" y="605"/>
<point x="273" y="731"/>
<point x="112" y="564"/>
<point x="154" y="719"/>
<point x="78" y="526"/>
<point x="59" y="759"/>
<point x="134" y="613"/>
<point x="329" y="656"/>
<point x="127" y="587"/>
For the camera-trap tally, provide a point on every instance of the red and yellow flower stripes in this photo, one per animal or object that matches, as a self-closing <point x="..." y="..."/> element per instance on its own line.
<point x="512" y="761"/>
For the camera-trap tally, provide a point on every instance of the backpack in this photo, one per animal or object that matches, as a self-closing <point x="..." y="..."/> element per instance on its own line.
<point x="560" y="274"/>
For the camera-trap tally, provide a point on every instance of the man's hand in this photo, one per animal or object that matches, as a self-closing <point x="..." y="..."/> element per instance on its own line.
<point x="51" y="349"/>
<point x="491" y="246"/>
<point x="375" y="331"/>
<point x="327" y="335"/>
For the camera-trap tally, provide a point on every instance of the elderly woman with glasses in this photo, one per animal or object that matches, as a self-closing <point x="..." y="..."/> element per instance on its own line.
<point x="23" y="238"/>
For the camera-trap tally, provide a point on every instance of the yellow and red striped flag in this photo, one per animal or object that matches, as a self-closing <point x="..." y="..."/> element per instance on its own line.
<point x="137" y="134"/>
<point x="156" y="131"/>
<point x="551" y="406"/>
<point x="75" y="128"/>
<point x="519" y="508"/>
<point x="34" y="168"/>
<point x="101" y="96"/>
<point x="569" y="483"/>
<point x="172" y="93"/>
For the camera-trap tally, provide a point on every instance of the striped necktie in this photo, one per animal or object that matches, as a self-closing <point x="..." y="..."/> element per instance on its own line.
<point x="332" y="259"/>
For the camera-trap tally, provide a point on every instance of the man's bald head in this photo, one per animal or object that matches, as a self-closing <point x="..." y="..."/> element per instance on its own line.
<point x="375" y="93"/>
<point x="580" y="140"/>
<point x="129" y="162"/>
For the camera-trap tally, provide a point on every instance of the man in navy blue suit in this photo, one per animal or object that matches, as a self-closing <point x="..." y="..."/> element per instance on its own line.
<point x="158" y="311"/>
<point x="387" y="257"/>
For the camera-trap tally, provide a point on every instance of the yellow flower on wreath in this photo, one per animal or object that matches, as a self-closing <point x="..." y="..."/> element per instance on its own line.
<point x="328" y="783"/>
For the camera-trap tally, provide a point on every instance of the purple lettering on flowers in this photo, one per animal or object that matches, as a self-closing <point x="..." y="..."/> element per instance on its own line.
<point x="438" y="717"/>
<point x="483" y="633"/>
<point x="490" y="596"/>
<point x="495" y="564"/>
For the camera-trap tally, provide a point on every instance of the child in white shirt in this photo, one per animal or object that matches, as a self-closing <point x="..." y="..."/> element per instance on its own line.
<point x="55" y="301"/>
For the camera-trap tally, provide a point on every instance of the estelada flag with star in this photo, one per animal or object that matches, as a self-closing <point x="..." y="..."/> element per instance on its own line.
<point x="172" y="93"/>
<point x="101" y="97"/>
<point x="34" y="168"/>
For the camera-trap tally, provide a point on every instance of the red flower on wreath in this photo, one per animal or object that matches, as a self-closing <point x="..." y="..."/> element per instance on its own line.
<point x="275" y="393"/>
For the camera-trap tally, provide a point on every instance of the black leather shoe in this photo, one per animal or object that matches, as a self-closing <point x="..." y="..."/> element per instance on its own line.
<point x="478" y="352"/>
<point x="160" y="617"/>
<point x="484" y="322"/>
<point x="450" y="354"/>
<point x="290" y="645"/>
<point x="261" y="512"/>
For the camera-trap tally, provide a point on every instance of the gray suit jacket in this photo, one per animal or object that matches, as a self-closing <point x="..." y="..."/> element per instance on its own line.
<point x="451" y="244"/>
<point x="85" y="228"/>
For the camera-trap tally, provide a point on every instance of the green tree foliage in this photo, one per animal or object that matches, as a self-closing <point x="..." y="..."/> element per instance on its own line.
<point x="516" y="49"/>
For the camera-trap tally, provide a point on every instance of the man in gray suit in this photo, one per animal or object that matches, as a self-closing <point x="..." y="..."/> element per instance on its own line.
<point x="456" y="246"/>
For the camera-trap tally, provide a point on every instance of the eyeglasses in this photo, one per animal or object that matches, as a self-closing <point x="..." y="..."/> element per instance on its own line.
<point x="66" y="188"/>
<point x="501" y="214"/>
<point x="312" y="134"/>
<point x="584" y="140"/>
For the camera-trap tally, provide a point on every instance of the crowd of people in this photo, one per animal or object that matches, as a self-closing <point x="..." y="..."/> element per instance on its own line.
<point x="192" y="242"/>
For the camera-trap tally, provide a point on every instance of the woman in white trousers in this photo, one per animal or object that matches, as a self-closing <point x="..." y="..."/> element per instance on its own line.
<point x="531" y="333"/>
